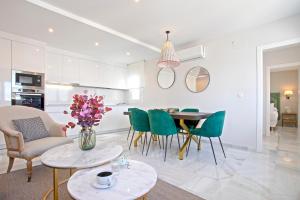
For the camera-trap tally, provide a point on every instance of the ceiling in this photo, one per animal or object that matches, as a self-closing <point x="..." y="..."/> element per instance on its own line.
<point x="190" y="22"/>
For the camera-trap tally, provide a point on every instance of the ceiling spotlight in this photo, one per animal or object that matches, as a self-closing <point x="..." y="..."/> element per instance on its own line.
<point x="96" y="44"/>
<point x="136" y="1"/>
<point x="51" y="30"/>
<point x="128" y="53"/>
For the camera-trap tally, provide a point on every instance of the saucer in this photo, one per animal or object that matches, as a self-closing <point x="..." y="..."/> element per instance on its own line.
<point x="102" y="186"/>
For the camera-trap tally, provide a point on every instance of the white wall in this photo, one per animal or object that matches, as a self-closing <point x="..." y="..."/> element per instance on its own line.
<point x="285" y="80"/>
<point x="231" y="62"/>
<point x="282" y="56"/>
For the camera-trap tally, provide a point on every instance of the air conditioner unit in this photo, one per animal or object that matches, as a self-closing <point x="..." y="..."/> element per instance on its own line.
<point x="192" y="53"/>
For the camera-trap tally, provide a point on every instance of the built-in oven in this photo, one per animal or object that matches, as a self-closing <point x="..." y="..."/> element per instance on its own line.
<point x="28" y="89"/>
<point x="28" y="80"/>
<point x="35" y="100"/>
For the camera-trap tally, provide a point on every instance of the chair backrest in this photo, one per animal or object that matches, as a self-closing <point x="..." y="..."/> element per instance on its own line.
<point x="161" y="122"/>
<point x="214" y="124"/>
<point x="9" y="113"/>
<point x="129" y="110"/>
<point x="190" y="110"/>
<point x="140" y="120"/>
<point x="171" y="110"/>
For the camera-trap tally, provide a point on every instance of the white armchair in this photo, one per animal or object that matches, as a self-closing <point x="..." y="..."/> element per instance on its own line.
<point x="16" y="147"/>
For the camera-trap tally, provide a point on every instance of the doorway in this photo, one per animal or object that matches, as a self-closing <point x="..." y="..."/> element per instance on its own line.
<point x="276" y="60"/>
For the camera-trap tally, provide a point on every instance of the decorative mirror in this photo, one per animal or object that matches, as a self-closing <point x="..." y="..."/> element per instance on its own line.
<point x="166" y="77"/>
<point x="197" y="79"/>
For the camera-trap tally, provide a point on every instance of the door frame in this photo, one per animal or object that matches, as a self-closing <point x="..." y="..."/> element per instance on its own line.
<point x="260" y="99"/>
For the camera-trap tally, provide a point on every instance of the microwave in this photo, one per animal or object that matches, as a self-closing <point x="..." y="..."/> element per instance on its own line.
<point x="27" y="80"/>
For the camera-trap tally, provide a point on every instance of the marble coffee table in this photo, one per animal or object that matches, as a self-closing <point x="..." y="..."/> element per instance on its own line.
<point x="69" y="156"/>
<point x="133" y="182"/>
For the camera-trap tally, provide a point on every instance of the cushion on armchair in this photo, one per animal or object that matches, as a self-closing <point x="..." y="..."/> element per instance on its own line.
<point x="31" y="128"/>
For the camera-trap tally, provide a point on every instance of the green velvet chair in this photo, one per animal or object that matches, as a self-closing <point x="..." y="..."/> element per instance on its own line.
<point x="212" y="127"/>
<point x="162" y="124"/>
<point x="140" y="122"/>
<point x="130" y="121"/>
<point x="191" y="124"/>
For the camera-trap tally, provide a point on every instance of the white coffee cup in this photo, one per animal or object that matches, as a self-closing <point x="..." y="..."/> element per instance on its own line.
<point x="105" y="178"/>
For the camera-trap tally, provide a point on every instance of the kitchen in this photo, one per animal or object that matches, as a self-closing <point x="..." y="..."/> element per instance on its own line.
<point x="61" y="74"/>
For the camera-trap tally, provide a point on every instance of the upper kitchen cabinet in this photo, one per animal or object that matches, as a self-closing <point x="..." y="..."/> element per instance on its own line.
<point x="54" y="63"/>
<point x="120" y="78"/>
<point x="89" y="73"/>
<point x="5" y="72"/>
<point x="28" y="57"/>
<point x="70" y="70"/>
<point x="113" y="77"/>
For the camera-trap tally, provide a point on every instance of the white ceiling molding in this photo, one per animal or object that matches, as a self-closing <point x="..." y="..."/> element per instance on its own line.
<point x="91" y="23"/>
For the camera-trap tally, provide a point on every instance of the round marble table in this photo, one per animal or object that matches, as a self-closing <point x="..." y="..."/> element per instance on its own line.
<point x="69" y="156"/>
<point x="133" y="182"/>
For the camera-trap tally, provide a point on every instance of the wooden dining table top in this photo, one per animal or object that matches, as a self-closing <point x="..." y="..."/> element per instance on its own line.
<point x="185" y="115"/>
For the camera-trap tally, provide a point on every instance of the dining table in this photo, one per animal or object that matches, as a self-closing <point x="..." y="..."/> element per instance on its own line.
<point x="182" y="117"/>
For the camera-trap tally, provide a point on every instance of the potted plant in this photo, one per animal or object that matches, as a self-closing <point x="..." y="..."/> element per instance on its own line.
<point x="88" y="111"/>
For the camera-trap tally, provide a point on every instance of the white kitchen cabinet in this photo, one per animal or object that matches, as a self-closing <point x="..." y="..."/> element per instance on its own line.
<point x="89" y="73"/>
<point x="54" y="64"/>
<point x="120" y="76"/>
<point x="5" y="72"/>
<point x="70" y="70"/>
<point x="28" y="57"/>
<point x="108" y="80"/>
<point x="5" y="78"/>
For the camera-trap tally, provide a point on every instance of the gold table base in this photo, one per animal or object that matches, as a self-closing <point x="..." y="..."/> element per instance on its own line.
<point x="187" y="141"/>
<point x="56" y="185"/>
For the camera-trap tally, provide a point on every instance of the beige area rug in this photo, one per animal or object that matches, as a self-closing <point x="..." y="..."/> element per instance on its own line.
<point x="14" y="186"/>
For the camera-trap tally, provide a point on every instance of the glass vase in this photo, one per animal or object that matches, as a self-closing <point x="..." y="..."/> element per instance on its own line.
<point x="87" y="138"/>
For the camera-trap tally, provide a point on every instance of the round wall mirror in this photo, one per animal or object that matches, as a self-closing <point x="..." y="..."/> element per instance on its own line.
<point x="166" y="77"/>
<point x="197" y="79"/>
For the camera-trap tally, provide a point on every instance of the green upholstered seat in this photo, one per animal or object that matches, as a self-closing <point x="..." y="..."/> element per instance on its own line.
<point x="212" y="127"/>
<point x="191" y="124"/>
<point x="130" y="121"/>
<point x="190" y="110"/>
<point x="140" y="120"/>
<point x="162" y="124"/>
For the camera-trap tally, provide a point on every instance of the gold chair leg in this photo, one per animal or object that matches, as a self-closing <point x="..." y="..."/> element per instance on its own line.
<point x="137" y="139"/>
<point x="10" y="164"/>
<point x="29" y="170"/>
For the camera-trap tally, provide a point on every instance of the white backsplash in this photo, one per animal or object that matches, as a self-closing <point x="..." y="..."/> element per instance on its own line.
<point x="62" y="95"/>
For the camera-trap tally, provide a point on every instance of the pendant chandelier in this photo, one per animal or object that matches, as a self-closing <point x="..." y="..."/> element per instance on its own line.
<point x="168" y="57"/>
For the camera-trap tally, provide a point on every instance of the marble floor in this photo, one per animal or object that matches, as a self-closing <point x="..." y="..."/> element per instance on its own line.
<point x="273" y="174"/>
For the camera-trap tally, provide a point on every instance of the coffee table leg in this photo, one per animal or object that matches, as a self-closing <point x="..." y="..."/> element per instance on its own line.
<point x="55" y="184"/>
